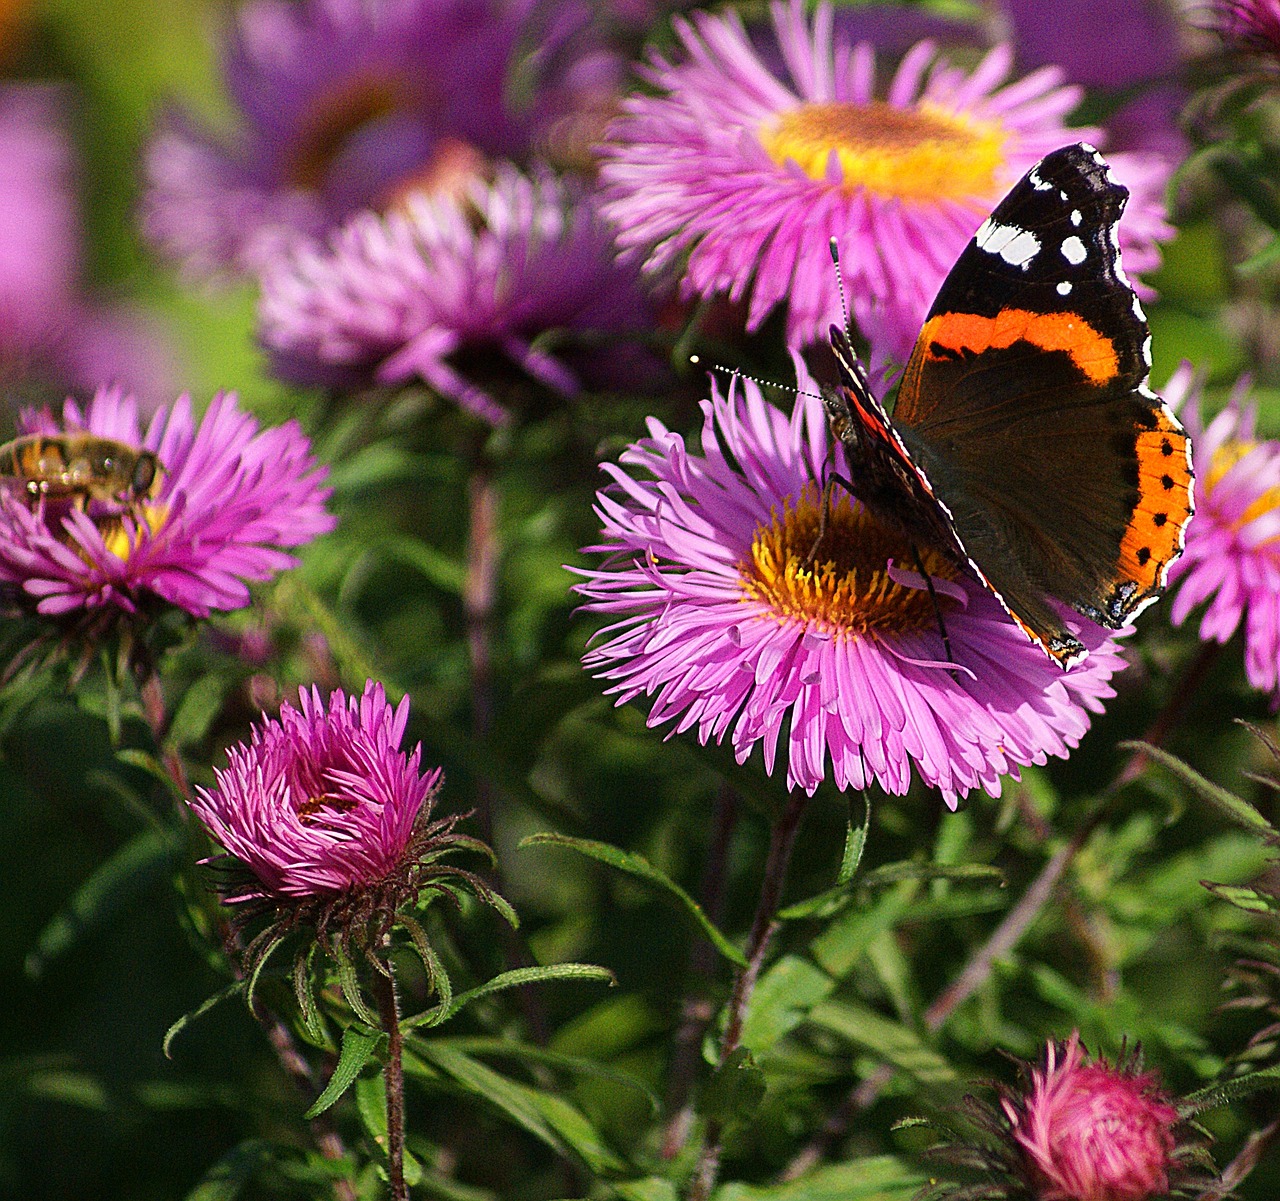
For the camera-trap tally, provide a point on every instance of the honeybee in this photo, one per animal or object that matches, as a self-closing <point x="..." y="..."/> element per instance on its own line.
<point x="79" y="467"/>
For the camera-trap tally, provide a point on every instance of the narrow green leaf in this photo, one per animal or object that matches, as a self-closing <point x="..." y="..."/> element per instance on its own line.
<point x="149" y="764"/>
<point x="201" y="703"/>
<point x="1227" y="803"/>
<point x="227" y="1179"/>
<point x="652" y="1188"/>
<point x="1248" y="899"/>
<point x="126" y="875"/>
<point x="892" y="1041"/>
<point x="512" y="979"/>
<point x="892" y="873"/>
<point x="875" y="1178"/>
<point x="782" y="999"/>
<point x="544" y="1115"/>
<point x="357" y="1046"/>
<point x="824" y="904"/>
<point x="199" y="1011"/>
<point x="640" y="867"/>
<point x="351" y="992"/>
<point x="371" y="1103"/>
<point x="1226" y="1091"/>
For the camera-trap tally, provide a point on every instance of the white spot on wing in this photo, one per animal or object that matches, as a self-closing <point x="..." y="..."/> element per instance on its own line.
<point x="1073" y="251"/>
<point x="1076" y="217"/>
<point x="1016" y="246"/>
<point x="1038" y="183"/>
<point x="1064" y="288"/>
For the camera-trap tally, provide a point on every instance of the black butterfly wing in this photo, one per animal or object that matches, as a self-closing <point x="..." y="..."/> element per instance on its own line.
<point x="1025" y="402"/>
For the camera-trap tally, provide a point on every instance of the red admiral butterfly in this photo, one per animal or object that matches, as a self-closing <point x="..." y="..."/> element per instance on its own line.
<point x="1025" y="443"/>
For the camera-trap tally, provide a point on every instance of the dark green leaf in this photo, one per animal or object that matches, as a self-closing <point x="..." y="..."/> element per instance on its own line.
<point x="892" y="873"/>
<point x="357" y="1046"/>
<point x="1226" y="1091"/>
<point x="876" y="1178"/>
<point x="892" y="1041"/>
<point x="229" y="1176"/>
<point x="640" y="867"/>
<point x="735" y="1090"/>
<point x="199" y="707"/>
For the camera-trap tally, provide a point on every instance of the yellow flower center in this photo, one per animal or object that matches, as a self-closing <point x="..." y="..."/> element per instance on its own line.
<point x="330" y="126"/>
<point x="1224" y="459"/>
<point x="846" y="590"/>
<point x="920" y="153"/>
<point x="144" y="513"/>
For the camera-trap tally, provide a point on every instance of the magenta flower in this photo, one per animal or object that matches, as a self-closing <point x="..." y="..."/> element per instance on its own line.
<point x="1093" y="1132"/>
<point x="1252" y="25"/>
<point x="1232" y="556"/>
<point x="226" y="499"/>
<point x="321" y="802"/>
<point x="52" y="334"/>
<point x="736" y="179"/>
<point x="392" y="298"/>
<point x="345" y="105"/>
<point x="720" y="620"/>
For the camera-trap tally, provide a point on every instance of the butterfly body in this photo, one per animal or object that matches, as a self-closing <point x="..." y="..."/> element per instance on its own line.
<point x="1025" y="444"/>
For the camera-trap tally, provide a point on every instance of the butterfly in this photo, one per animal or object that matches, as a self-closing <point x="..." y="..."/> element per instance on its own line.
<point x="1025" y="443"/>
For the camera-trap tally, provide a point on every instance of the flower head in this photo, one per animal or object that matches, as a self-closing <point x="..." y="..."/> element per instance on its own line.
<point x="325" y="819"/>
<point x="1093" y="1132"/>
<point x="749" y="175"/>
<point x="1251" y="25"/>
<point x="215" y="508"/>
<point x="391" y="298"/>
<point x="1080" y="1130"/>
<point x="724" y="618"/>
<point x="1232" y="555"/>
<point x="345" y="104"/>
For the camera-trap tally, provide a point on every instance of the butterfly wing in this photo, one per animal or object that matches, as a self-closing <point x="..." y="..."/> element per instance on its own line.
<point x="1025" y="402"/>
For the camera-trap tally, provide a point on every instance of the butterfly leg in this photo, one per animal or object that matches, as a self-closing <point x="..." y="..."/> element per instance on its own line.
<point x="824" y="509"/>
<point x="937" y="609"/>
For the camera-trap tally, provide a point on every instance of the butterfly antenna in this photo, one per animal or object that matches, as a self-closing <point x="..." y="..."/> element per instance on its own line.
<point x="844" y="306"/>
<point x="696" y="360"/>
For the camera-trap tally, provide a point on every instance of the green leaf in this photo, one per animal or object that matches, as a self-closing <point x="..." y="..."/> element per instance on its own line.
<point x="199" y="1011"/>
<point x="782" y="999"/>
<point x="1248" y="899"/>
<point x="892" y="873"/>
<point x="892" y="1041"/>
<point x="735" y="1090"/>
<point x="876" y="1178"/>
<point x="131" y="871"/>
<point x="640" y="867"/>
<point x="544" y="1115"/>
<point x="228" y="1177"/>
<point x="357" y="1046"/>
<point x="1227" y="803"/>
<point x="1226" y="1091"/>
<point x="652" y="1188"/>
<point x="200" y="705"/>
<point x="512" y="979"/>
<point x="834" y="898"/>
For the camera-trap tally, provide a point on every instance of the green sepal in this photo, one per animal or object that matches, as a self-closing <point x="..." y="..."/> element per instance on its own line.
<point x="357" y="1046"/>
<point x="641" y="868"/>
<point x="351" y="991"/>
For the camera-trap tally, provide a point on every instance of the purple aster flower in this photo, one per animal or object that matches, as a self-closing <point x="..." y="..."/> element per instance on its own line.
<point x="1232" y="556"/>
<point x="345" y="104"/>
<point x="51" y="333"/>
<point x="749" y="175"/>
<point x="720" y="620"/>
<point x="224" y="499"/>
<point x="392" y="298"/>
<point x="1252" y="25"/>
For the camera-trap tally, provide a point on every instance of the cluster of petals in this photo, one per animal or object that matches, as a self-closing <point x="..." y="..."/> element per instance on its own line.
<point x="1231" y="562"/>
<point x="230" y="496"/>
<point x="340" y="102"/>
<point x="1251" y="24"/>
<point x="855" y="704"/>
<point x="692" y="185"/>
<point x="321" y="801"/>
<point x="1094" y="1132"/>
<point x="389" y="298"/>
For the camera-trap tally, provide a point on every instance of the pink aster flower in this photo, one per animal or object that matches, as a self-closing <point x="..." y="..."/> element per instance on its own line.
<point x="345" y="104"/>
<point x="737" y="178"/>
<point x="719" y="618"/>
<point x="322" y="801"/>
<point x="1093" y="1132"/>
<point x="392" y="298"/>
<point x="1232" y="556"/>
<point x="223" y="500"/>
<point x="1252" y="25"/>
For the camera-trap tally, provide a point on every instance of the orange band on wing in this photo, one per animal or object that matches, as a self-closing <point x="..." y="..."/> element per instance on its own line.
<point x="1092" y="352"/>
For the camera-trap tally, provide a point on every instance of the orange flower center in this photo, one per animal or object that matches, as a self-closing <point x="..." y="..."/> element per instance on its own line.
<point x="332" y="123"/>
<point x="845" y="588"/>
<point x="1224" y="459"/>
<point x="920" y="153"/>
<point x="146" y="515"/>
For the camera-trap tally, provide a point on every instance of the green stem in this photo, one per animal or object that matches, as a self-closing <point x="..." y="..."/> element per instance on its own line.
<point x="389" y="1010"/>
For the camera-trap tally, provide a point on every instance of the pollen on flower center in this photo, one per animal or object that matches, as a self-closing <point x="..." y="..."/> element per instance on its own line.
<point x="847" y="589"/>
<point x="925" y="152"/>
<point x="116" y="537"/>
<point x="330" y="126"/>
